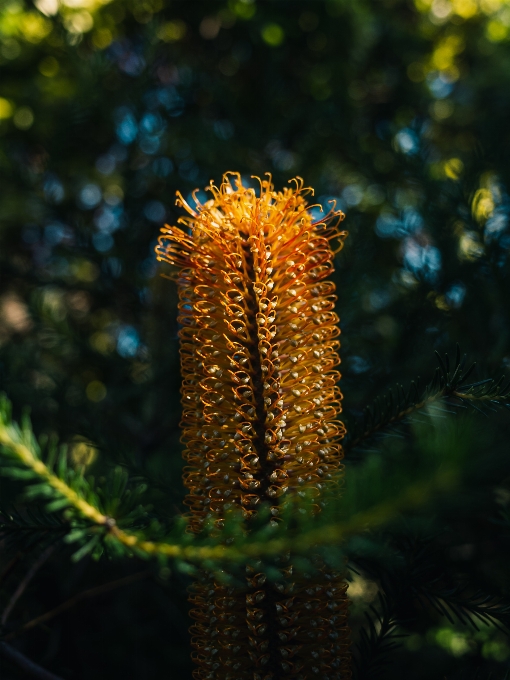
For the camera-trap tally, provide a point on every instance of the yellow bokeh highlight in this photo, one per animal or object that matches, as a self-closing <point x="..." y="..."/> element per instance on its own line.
<point x="448" y="14"/>
<point x="273" y="35"/>
<point x="470" y="247"/>
<point x="95" y="391"/>
<point x="91" y="5"/>
<point x="453" y="168"/>
<point x="49" y="67"/>
<point x="79" y="22"/>
<point x="242" y="8"/>
<point x="84" y="270"/>
<point x="423" y="5"/>
<point x="60" y="88"/>
<point x="441" y="109"/>
<point x="453" y="641"/>
<point x="82" y="452"/>
<point x="113" y="194"/>
<point x="362" y="589"/>
<point x="23" y="118"/>
<point x="47" y="7"/>
<point x="491" y="6"/>
<point x="452" y="73"/>
<point x="444" y="10"/>
<point x="441" y="10"/>
<point x="34" y="27"/>
<point x="497" y="650"/>
<point x="446" y="51"/>
<point x="102" y="342"/>
<point x="77" y="18"/>
<point x="482" y="205"/>
<point x="172" y="31"/>
<point x="465" y="8"/>
<point x="440" y="302"/>
<point x="496" y="31"/>
<point x="14" y="21"/>
<point x="6" y="108"/>
<point x="102" y="38"/>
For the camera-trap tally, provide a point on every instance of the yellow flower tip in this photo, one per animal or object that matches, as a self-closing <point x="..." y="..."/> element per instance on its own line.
<point x="290" y="205"/>
<point x="260" y="405"/>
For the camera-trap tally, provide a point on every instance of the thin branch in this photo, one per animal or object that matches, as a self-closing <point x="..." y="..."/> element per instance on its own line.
<point x="397" y="417"/>
<point x="29" y="458"/>
<point x="412" y="496"/>
<point x="24" y="583"/>
<point x="10" y="566"/>
<point x="397" y="406"/>
<point x="86" y="594"/>
<point x="378" y="640"/>
<point x="32" y="669"/>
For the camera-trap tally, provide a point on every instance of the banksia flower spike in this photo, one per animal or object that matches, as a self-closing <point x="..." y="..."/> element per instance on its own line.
<point x="260" y="405"/>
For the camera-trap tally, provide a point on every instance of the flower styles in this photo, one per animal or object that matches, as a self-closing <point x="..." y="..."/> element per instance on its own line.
<point x="260" y="404"/>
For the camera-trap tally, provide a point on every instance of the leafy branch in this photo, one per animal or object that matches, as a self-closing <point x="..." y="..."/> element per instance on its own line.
<point x="467" y="607"/>
<point x="416" y="575"/>
<point x="365" y="502"/>
<point x="448" y="386"/>
<point x="377" y="639"/>
<point x="21" y="532"/>
<point x="25" y="463"/>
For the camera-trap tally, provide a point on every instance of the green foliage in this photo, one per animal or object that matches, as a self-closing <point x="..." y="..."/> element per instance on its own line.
<point x="440" y="456"/>
<point x="446" y="393"/>
<point x="377" y="640"/>
<point x="398" y="109"/>
<point x="378" y="491"/>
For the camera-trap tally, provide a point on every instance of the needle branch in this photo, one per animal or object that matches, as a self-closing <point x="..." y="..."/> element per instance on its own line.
<point x="448" y="387"/>
<point x="19" y="445"/>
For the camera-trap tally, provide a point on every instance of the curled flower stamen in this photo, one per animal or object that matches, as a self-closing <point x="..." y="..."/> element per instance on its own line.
<point x="260" y="405"/>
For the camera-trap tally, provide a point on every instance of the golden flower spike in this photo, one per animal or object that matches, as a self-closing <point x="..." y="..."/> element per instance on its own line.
<point x="260" y="402"/>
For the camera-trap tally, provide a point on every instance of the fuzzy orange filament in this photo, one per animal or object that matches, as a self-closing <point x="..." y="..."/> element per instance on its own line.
<point x="260" y="402"/>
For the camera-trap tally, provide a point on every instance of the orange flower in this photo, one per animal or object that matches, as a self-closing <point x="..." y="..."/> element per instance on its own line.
<point x="260" y="404"/>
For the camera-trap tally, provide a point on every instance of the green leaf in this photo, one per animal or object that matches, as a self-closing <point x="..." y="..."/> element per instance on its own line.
<point x="86" y="549"/>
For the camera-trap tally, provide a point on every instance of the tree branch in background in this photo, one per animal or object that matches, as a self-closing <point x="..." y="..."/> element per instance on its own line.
<point x="21" y="451"/>
<point x="24" y="583"/>
<point x="31" y="669"/>
<point x="10" y="566"/>
<point x="446" y="386"/>
<point x="85" y="595"/>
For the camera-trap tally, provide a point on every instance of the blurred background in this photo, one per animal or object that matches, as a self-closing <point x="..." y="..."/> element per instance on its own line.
<point x="397" y="109"/>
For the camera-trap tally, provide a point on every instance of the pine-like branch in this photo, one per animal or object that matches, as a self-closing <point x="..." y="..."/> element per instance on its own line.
<point x="377" y="639"/>
<point x="23" y="461"/>
<point x="365" y="502"/>
<point x="468" y="608"/>
<point x="416" y="574"/>
<point x="445" y="393"/>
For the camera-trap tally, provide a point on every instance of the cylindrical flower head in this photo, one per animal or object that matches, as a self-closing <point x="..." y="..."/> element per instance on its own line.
<point x="260" y="405"/>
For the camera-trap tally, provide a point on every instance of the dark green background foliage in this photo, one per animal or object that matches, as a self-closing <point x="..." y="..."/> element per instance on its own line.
<point x="399" y="111"/>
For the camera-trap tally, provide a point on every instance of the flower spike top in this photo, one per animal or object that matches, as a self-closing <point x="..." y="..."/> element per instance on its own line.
<point x="260" y="406"/>
<point x="258" y="345"/>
